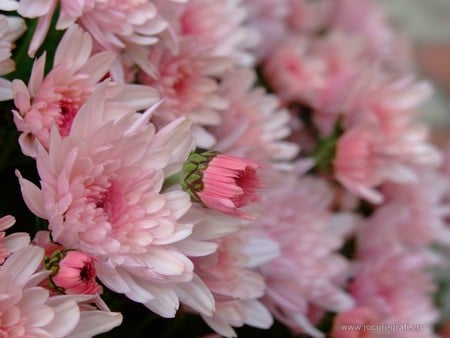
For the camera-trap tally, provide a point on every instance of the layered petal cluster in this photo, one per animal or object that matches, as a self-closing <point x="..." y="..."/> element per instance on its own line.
<point x="11" y="28"/>
<point x="254" y="126"/>
<point x="113" y="24"/>
<point x="395" y="285"/>
<point x="101" y="193"/>
<point x="382" y="141"/>
<point x="413" y="215"/>
<point x="12" y="242"/>
<point x="186" y="80"/>
<point x="219" y="25"/>
<point x="229" y="272"/>
<point x="56" y="97"/>
<point x="309" y="273"/>
<point x="316" y="73"/>
<point x="29" y="310"/>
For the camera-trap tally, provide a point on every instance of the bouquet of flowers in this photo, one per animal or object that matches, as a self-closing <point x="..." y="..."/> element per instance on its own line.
<point x="181" y="168"/>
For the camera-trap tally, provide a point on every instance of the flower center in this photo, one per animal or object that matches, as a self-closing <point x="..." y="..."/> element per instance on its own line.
<point x="68" y="111"/>
<point x="110" y="200"/>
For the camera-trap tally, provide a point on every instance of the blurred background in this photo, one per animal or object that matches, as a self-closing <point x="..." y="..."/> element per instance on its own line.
<point x="427" y="25"/>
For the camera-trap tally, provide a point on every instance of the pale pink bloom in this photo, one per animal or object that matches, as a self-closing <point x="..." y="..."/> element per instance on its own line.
<point x="309" y="273"/>
<point x="381" y="140"/>
<point x="396" y="284"/>
<point x="317" y="73"/>
<point x="414" y="215"/>
<point x="113" y="24"/>
<point x="12" y="242"/>
<point x="29" y="310"/>
<point x="254" y="126"/>
<point x="292" y="71"/>
<point x="56" y="97"/>
<point x="229" y="183"/>
<point x="356" y="165"/>
<point x="229" y="271"/>
<point x="11" y="28"/>
<point x="367" y="19"/>
<point x="268" y="18"/>
<point x="218" y="25"/>
<point x="309" y="16"/>
<point x="75" y="273"/>
<point x="186" y="80"/>
<point x="345" y="324"/>
<point x="101" y="193"/>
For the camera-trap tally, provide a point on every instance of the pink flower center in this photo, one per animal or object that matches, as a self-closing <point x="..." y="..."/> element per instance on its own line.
<point x="248" y="181"/>
<point x="69" y="109"/>
<point x="87" y="273"/>
<point x="110" y="200"/>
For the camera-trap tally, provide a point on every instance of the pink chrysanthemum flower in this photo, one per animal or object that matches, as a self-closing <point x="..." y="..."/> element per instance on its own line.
<point x="11" y="28"/>
<point x="235" y="286"/>
<point x="382" y="141"/>
<point x="228" y="271"/>
<point x="220" y="25"/>
<point x="186" y="80"/>
<point x="254" y="126"/>
<point x="316" y="73"/>
<point x="268" y="18"/>
<point x="57" y="97"/>
<point x="113" y="24"/>
<point x="29" y="310"/>
<point x="101" y="192"/>
<point x="309" y="272"/>
<point x="12" y="242"/>
<point x="395" y="285"/>
<point x="353" y="323"/>
<point x="414" y="214"/>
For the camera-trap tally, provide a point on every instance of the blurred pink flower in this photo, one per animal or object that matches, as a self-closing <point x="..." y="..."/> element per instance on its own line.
<point x="228" y="184"/>
<point x="219" y="25"/>
<point x="101" y="193"/>
<point x="379" y="120"/>
<point x="113" y="24"/>
<point x="187" y="82"/>
<point x="414" y="215"/>
<point x="292" y="71"/>
<point x="350" y="323"/>
<point x="254" y="126"/>
<point x="395" y="283"/>
<point x="12" y="242"/>
<point x="309" y="272"/>
<point x="28" y="310"/>
<point x="11" y="28"/>
<point x="268" y="18"/>
<point x="56" y="97"/>
<point x="368" y="20"/>
<point x="229" y="271"/>
<point x="74" y="272"/>
<point x="319" y="73"/>
<point x="356" y="165"/>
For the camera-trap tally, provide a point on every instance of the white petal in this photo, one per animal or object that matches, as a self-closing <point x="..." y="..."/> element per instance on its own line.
<point x="95" y="322"/>
<point x="67" y="314"/>
<point x="32" y="196"/>
<point x="21" y="265"/>
<point x="196" y="295"/>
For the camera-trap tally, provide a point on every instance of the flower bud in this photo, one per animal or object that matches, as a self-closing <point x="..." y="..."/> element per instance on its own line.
<point x="221" y="182"/>
<point x="73" y="272"/>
